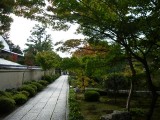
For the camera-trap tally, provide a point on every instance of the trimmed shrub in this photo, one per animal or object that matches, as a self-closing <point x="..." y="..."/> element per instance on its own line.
<point x="6" y="104"/>
<point x="38" y="85"/>
<point x="74" y="108"/>
<point x="29" y="89"/>
<point x="33" y="86"/>
<point x="91" y="96"/>
<point x="47" y="78"/>
<point x="54" y="77"/>
<point x="43" y="82"/>
<point x="6" y="94"/>
<point x="20" y="98"/>
<point x="25" y="93"/>
<point x="2" y="93"/>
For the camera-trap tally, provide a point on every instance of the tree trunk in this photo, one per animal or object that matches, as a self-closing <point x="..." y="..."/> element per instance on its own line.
<point x="131" y="82"/>
<point x="83" y="84"/>
<point x="152" y="88"/>
<point x="129" y="96"/>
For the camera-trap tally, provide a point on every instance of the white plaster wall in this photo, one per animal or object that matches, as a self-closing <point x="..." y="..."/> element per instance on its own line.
<point x="15" y="78"/>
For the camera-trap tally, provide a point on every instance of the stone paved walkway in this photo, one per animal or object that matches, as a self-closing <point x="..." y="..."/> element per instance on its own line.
<point x="50" y="104"/>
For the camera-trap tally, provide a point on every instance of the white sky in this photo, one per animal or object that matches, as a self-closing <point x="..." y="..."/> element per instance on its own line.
<point x="21" y="27"/>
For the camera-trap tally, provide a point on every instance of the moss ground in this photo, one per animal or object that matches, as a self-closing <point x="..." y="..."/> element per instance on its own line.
<point x="106" y="105"/>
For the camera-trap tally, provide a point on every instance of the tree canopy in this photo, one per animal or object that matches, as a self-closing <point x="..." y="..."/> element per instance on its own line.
<point x="48" y="60"/>
<point x="134" y="25"/>
<point x="28" y="8"/>
<point x="39" y="41"/>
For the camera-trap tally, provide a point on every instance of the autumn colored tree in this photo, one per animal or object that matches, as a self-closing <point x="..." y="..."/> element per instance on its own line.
<point x="132" y="24"/>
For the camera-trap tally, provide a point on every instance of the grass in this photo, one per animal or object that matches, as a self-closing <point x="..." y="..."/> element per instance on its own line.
<point x="107" y="104"/>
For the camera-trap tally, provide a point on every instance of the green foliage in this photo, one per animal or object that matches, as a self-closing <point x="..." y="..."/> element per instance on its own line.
<point x="38" y="85"/>
<point x="68" y="45"/>
<point x="48" y="59"/>
<point x="115" y="82"/>
<point x="33" y="86"/>
<point x="39" y="41"/>
<point x="91" y="96"/>
<point x="11" y="97"/>
<point x="5" y="19"/>
<point x="48" y="78"/>
<point x="72" y="81"/>
<point x="29" y="89"/>
<point x="20" y="98"/>
<point x="43" y="82"/>
<point x="6" y="94"/>
<point x="25" y="93"/>
<point x="71" y="63"/>
<point x="25" y="8"/>
<point x="138" y="112"/>
<point x="6" y="104"/>
<point x="74" y="109"/>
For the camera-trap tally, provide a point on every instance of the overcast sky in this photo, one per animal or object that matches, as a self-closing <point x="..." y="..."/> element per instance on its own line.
<point x="21" y="27"/>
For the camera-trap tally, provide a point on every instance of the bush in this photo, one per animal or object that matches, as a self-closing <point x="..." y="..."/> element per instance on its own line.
<point x="54" y="77"/>
<point x="6" y="104"/>
<point x="74" y="109"/>
<point x="20" y="98"/>
<point x="91" y="96"/>
<point x="137" y="112"/>
<point x="29" y="89"/>
<point x="47" y="78"/>
<point x="33" y="86"/>
<point x="38" y="85"/>
<point x="5" y="94"/>
<point x="102" y="92"/>
<point x="43" y="82"/>
<point x="25" y="93"/>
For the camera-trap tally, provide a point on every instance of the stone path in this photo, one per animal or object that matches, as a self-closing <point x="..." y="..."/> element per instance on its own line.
<point x="50" y="104"/>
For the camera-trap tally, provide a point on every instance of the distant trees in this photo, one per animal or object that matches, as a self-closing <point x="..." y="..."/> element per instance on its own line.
<point x="12" y="46"/>
<point x="39" y="41"/>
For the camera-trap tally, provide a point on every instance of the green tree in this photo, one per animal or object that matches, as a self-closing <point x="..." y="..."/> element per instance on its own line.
<point x="6" y="8"/>
<point x="76" y="66"/>
<point x="48" y="60"/>
<point x="115" y="82"/>
<point x="132" y="24"/>
<point x="26" y="8"/>
<point x="12" y="47"/>
<point x="39" y="41"/>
